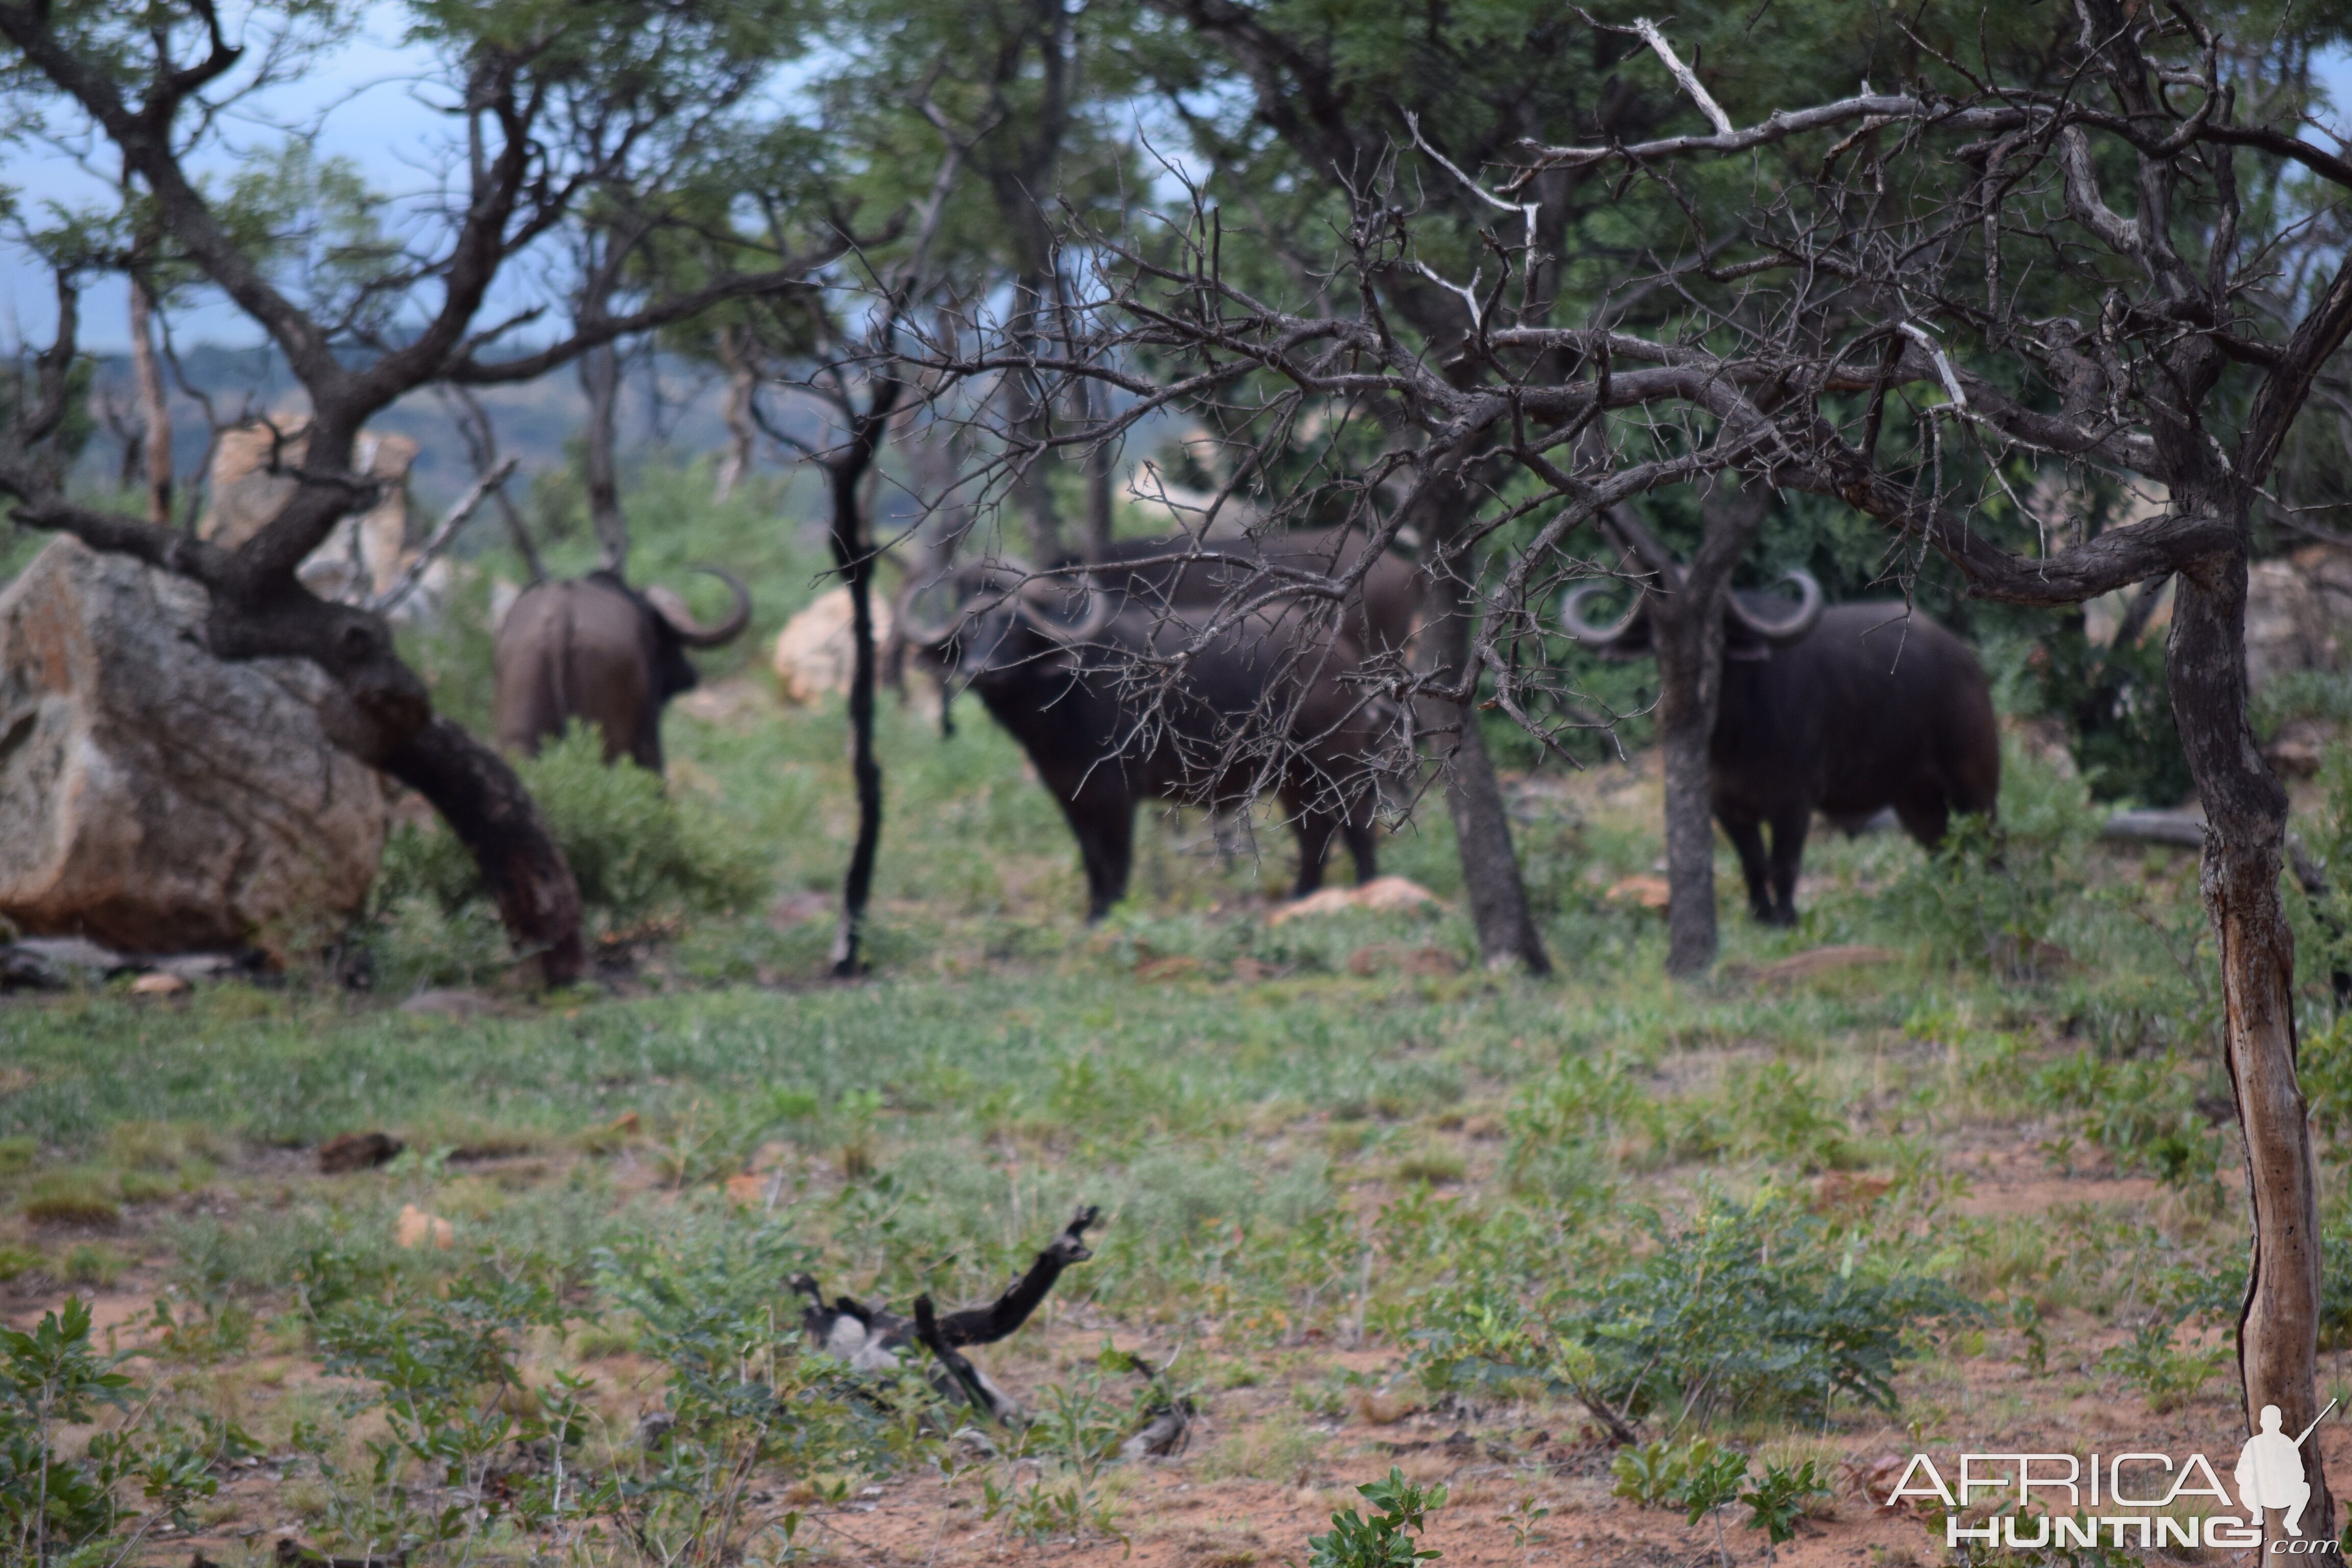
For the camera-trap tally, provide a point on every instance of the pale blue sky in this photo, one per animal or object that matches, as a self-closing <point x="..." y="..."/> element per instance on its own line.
<point x="362" y="97"/>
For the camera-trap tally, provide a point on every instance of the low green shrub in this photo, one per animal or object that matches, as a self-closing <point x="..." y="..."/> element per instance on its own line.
<point x="1784" y="1495"/>
<point x="2118" y="707"/>
<point x="1747" y="1311"/>
<point x="2167" y="1373"/>
<point x="1750" y="1309"/>
<point x="2143" y="1111"/>
<point x="1390" y="1538"/>
<point x="55" y="1507"/>
<point x="642" y="856"/>
<point x="1562" y="1126"/>
<point x="1990" y="894"/>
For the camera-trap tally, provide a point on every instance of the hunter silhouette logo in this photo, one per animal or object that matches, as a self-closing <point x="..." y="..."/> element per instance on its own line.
<point x="2270" y="1470"/>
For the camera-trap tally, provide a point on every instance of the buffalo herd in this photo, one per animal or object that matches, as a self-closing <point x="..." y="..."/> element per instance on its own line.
<point x="1210" y="672"/>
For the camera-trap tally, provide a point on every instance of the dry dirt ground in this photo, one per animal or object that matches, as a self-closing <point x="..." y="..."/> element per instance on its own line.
<point x="1259" y="1477"/>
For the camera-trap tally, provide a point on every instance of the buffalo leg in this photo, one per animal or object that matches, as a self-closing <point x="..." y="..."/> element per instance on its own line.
<point x="1788" y="831"/>
<point x="1748" y="838"/>
<point x="1105" y="830"/>
<point x="645" y="745"/>
<point x="1359" y="849"/>
<point x="1314" y="829"/>
<point x="1925" y="817"/>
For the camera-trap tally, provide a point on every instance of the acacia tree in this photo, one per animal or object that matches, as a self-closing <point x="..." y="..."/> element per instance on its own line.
<point x="1297" y="112"/>
<point x="1031" y="96"/>
<point x="361" y="327"/>
<point x="1922" y="304"/>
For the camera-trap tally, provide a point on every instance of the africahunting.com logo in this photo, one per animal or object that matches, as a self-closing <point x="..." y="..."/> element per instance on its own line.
<point x="2138" y="1500"/>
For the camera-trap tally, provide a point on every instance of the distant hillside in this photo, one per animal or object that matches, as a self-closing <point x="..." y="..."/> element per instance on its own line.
<point x="677" y="407"/>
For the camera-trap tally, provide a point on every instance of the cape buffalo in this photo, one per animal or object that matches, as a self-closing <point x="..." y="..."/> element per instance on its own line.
<point x="1381" y="615"/>
<point x="1266" y="703"/>
<point x="594" y="648"/>
<point x="1846" y="712"/>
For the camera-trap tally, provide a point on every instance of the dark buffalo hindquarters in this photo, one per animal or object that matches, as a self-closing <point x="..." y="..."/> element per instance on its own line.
<point x="1875" y="709"/>
<point x="594" y="648"/>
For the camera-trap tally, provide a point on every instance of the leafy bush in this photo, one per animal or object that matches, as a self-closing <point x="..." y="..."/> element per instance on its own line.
<point x="2323" y="939"/>
<point x="1390" y="1539"/>
<point x="2143" y="1111"/>
<point x="2289" y="694"/>
<point x="1559" y="1126"/>
<point x="1984" y="898"/>
<point x="639" y="852"/>
<point x="2117" y="705"/>
<point x="1749" y="1310"/>
<point x="2335" y="1282"/>
<point x="1991" y="893"/>
<point x="50" y="1506"/>
<point x="441" y="1360"/>
<point x="2167" y="1375"/>
<point x="1783" y="1497"/>
<point x="1663" y="1474"/>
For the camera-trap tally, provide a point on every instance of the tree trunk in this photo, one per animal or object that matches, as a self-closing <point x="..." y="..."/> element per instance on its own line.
<point x="1481" y="827"/>
<point x="155" y="441"/>
<point x="2245" y="814"/>
<point x="853" y="557"/>
<point x="600" y="378"/>
<point x="1027" y="415"/>
<point x="741" y="433"/>
<point x="856" y="563"/>
<point x="495" y="818"/>
<point x="1101" y="458"/>
<point x="1687" y="623"/>
<point x="1687" y="628"/>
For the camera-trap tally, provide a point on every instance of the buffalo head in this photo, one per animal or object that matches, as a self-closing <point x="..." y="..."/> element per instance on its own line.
<point x="990" y="619"/>
<point x="1749" y="631"/>
<point x="675" y="629"/>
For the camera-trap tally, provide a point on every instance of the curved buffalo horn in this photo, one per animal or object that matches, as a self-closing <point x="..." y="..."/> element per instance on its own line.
<point x="1036" y="602"/>
<point x="919" y="632"/>
<point x="1581" y="631"/>
<point x="1800" y="622"/>
<point x="671" y="607"/>
<point x="994" y="578"/>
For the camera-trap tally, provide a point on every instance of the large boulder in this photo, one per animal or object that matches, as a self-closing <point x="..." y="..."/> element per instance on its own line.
<point x="155" y="798"/>
<point x="814" y="652"/>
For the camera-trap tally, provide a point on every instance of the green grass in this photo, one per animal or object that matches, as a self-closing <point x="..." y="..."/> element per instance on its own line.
<point x="1288" y="1153"/>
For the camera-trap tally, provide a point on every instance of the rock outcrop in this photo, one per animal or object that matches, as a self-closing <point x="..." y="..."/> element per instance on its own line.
<point x="814" y="654"/>
<point x="156" y="799"/>
<point x="365" y="554"/>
